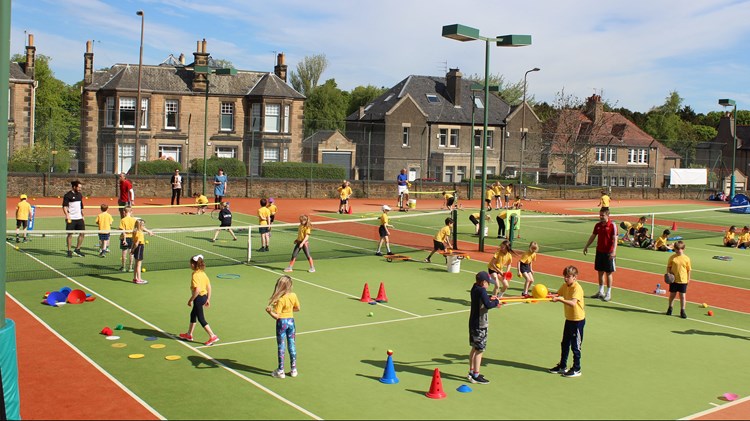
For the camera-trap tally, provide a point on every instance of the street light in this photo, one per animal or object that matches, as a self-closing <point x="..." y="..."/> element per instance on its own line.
<point x="475" y="87"/>
<point x="732" y="103"/>
<point x="138" y="107"/>
<point x="466" y="33"/>
<point x="524" y="130"/>
<point x="206" y="70"/>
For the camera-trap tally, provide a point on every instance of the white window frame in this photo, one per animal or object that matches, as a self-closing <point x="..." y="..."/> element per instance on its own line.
<point x="272" y="120"/>
<point x="171" y="109"/>
<point x="605" y="154"/>
<point x="490" y="139"/>
<point x="109" y="113"/>
<point x="126" y="105"/>
<point x="144" y="113"/>
<point x="287" y="112"/>
<point x="460" y="173"/>
<point x="637" y="156"/>
<point x="225" y="152"/>
<point x="448" y="174"/>
<point x="405" y="136"/>
<point x="477" y="139"/>
<point x="226" y="112"/>
<point x="453" y="138"/>
<point x="442" y="138"/>
<point x="271" y="155"/>
<point x="173" y="151"/>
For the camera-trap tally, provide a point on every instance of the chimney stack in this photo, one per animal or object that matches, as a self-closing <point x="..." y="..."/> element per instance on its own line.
<point x="594" y="108"/>
<point x="200" y="80"/>
<point x="453" y="83"/>
<point x="30" y="57"/>
<point x="182" y="58"/>
<point x="88" y="64"/>
<point x="280" y="68"/>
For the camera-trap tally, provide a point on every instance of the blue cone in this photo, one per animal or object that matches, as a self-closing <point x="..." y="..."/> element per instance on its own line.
<point x="389" y="374"/>
<point x="464" y="388"/>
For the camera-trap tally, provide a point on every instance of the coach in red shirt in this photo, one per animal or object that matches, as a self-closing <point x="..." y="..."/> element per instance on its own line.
<point x="126" y="194"/>
<point x="606" y="233"/>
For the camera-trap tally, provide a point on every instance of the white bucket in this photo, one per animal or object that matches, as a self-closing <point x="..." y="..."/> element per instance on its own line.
<point x="412" y="203"/>
<point x="454" y="264"/>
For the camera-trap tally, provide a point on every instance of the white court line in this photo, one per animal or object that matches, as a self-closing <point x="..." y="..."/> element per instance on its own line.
<point x="716" y="408"/>
<point x="194" y="349"/>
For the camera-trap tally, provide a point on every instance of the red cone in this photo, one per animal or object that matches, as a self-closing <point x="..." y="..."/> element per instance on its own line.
<point x="366" y="294"/>
<point x="382" y="298"/>
<point x="674" y="226"/>
<point x="350" y="210"/>
<point x="436" y="388"/>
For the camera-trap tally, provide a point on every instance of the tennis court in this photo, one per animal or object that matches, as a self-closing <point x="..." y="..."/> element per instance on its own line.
<point x="634" y="357"/>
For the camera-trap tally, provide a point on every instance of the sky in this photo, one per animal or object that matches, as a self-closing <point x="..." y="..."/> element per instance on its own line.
<point x="633" y="54"/>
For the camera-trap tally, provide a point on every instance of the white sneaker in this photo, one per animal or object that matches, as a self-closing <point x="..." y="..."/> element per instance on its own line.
<point x="607" y="297"/>
<point x="279" y="374"/>
<point x="288" y="269"/>
<point x="311" y="270"/>
<point x="293" y="373"/>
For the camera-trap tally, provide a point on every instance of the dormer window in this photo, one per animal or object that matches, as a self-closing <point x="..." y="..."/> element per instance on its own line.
<point x="433" y="99"/>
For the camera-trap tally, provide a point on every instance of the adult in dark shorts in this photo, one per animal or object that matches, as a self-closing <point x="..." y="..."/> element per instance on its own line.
<point x="73" y="209"/>
<point x="126" y="195"/>
<point x="606" y="233"/>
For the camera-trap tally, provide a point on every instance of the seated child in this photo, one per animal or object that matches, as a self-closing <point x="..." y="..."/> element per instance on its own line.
<point x="661" y="242"/>
<point x="730" y="237"/>
<point x="517" y="203"/>
<point x="643" y="238"/>
<point x="744" y="239"/>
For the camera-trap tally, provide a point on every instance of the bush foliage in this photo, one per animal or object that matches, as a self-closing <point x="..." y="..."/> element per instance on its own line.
<point x="160" y="166"/>
<point x="303" y="170"/>
<point x="232" y="167"/>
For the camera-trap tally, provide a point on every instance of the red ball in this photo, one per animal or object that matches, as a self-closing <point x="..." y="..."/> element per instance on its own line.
<point x="710" y="313"/>
<point x="389" y="352"/>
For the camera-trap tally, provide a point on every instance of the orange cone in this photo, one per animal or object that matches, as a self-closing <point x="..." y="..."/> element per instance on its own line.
<point x="366" y="294"/>
<point x="436" y="388"/>
<point x="674" y="226"/>
<point x="381" y="298"/>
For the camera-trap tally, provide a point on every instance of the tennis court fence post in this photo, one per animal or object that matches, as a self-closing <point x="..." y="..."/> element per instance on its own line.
<point x="454" y="215"/>
<point x="249" y="243"/>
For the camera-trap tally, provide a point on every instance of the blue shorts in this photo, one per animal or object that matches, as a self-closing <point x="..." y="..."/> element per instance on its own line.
<point x="524" y="267"/>
<point x="103" y="237"/>
<point x="138" y="253"/>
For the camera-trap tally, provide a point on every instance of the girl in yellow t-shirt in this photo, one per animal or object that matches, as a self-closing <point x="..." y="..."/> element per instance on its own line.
<point x="302" y="243"/>
<point x="499" y="268"/>
<point x="744" y="238"/>
<point x="139" y="243"/>
<point x="525" y="269"/>
<point x="281" y="306"/>
<point x="730" y="237"/>
<point x="200" y="288"/>
<point x="679" y="266"/>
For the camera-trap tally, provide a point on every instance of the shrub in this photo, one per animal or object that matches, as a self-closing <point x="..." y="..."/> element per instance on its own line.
<point x="303" y="170"/>
<point x="38" y="159"/>
<point x="233" y="167"/>
<point x="159" y="166"/>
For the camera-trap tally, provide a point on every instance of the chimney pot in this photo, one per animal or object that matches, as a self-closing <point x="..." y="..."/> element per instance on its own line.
<point x="31" y="39"/>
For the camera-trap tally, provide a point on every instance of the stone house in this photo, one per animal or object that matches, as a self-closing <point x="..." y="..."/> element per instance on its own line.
<point x="22" y="101"/>
<point x="253" y="116"/>
<point x="331" y="147"/>
<point x="716" y="155"/>
<point x="599" y="148"/>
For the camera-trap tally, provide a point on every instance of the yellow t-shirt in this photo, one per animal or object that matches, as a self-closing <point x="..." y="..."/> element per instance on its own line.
<point x="344" y="192"/>
<point x="201" y="200"/>
<point x="127" y="224"/>
<point x="744" y="237"/>
<point x="508" y="189"/>
<point x="489" y="194"/>
<point x="501" y="259"/>
<point x="503" y="215"/>
<point x="638" y="225"/>
<point x="264" y="215"/>
<point x="384" y="219"/>
<point x="138" y="237"/>
<point x="302" y="232"/>
<point x="273" y="209"/>
<point x="679" y="266"/>
<point x="286" y="305"/>
<point x="728" y="236"/>
<point x="23" y="210"/>
<point x="528" y="257"/>
<point x="575" y="313"/>
<point x="104" y="222"/>
<point x="605" y="201"/>
<point x="447" y="196"/>
<point x="475" y="215"/>
<point x="200" y="282"/>
<point x="517" y="203"/>
<point x="444" y="233"/>
<point x="661" y="241"/>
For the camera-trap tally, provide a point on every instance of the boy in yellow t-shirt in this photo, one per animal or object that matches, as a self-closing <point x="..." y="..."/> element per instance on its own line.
<point x="442" y="240"/>
<point x="264" y="220"/>
<point x="201" y="200"/>
<point x="679" y="266"/>
<point x="661" y="242"/>
<point x="23" y="210"/>
<point x="744" y="239"/>
<point x="603" y="201"/>
<point x="127" y="224"/>
<point x="474" y="218"/>
<point x="104" y="222"/>
<point x="570" y="293"/>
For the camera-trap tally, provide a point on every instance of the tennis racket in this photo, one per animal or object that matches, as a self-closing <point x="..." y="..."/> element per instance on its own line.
<point x="215" y="213"/>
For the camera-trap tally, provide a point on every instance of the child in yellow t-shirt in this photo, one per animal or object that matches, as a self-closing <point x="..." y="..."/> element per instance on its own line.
<point x="499" y="268"/>
<point x="281" y="306"/>
<point x="23" y="210"/>
<point x="499" y="189"/>
<point x="730" y="237"/>
<point x="201" y="200"/>
<point x="264" y="220"/>
<point x="200" y="297"/>
<point x="679" y="266"/>
<point x="661" y="242"/>
<point x="525" y="269"/>
<point x="442" y="240"/>
<point x="489" y="194"/>
<point x="570" y="294"/>
<point x="104" y="222"/>
<point x="743" y="241"/>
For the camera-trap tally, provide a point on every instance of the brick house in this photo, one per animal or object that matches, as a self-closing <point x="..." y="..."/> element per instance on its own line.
<point x="22" y="101"/>
<point x="599" y="148"/>
<point x="330" y="147"/>
<point x="253" y="116"/>
<point x="424" y="124"/>
<point x="716" y="155"/>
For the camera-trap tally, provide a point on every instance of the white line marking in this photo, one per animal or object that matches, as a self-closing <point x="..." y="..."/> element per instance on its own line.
<point x="718" y="408"/>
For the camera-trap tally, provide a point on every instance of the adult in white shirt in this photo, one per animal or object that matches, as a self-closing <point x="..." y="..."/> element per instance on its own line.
<point x="73" y="209"/>
<point x="176" y="186"/>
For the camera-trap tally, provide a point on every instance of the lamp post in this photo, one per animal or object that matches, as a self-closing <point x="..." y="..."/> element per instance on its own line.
<point x="465" y="33"/>
<point x="208" y="72"/>
<point x="138" y="107"/>
<point x="524" y="130"/>
<point x="732" y="103"/>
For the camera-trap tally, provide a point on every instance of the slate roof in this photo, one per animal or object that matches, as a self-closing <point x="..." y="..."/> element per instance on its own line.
<point x="443" y="111"/>
<point x="319" y="136"/>
<point x="17" y="73"/>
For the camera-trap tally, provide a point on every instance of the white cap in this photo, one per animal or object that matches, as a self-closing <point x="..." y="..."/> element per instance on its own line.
<point x="386" y="208"/>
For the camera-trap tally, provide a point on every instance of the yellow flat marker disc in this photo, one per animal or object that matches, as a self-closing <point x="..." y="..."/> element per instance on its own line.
<point x="135" y="356"/>
<point x="158" y="346"/>
<point x="119" y="345"/>
<point x="172" y="357"/>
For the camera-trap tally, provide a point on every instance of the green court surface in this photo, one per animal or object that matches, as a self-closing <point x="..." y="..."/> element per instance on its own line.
<point x="635" y="359"/>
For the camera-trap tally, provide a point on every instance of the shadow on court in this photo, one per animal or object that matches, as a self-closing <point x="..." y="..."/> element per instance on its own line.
<point x="707" y="333"/>
<point x="203" y="363"/>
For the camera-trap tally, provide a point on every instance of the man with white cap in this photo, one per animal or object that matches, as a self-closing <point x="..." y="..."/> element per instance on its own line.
<point x="384" y="232"/>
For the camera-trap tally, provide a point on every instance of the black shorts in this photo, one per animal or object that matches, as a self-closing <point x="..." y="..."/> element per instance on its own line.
<point x="138" y="253"/>
<point x="75" y="224"/>
<point x="473" y="220"/>
<point x="675" y="287"/>
<point x="438" y="245"/>
<point x="451" y="201"/>
<point x="487" y="200"/>
<point x="273" y="218"/>
<point x="264" y="229"/>
<point x="22" y="223"/>
<point x="382" y="231"/>
<point x="103" y="237"/>
<point x="524" y="267"/>
<point x="602" y="263"/>
<point x="343" y="202"/>
<point x="126" y="244"/>
<point x="478" y="338"/>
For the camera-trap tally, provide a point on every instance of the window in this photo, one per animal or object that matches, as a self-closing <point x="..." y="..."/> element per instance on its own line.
<point x="270" y="154"/>
<point x="109" y="115"/>
<point x="271" y="123"/>
<point x="144" y="113"/>
<point x="171" y="109"/>
<point x="286" y="118"/>
<point x="438" y="175"/>
<point x="127" y="112"/>
<point x="478" y="102"/>
<point x="285" y="158"/>
<point x="490" y="136"/>
<point x="604" y="154"/>
<point x="433" y="99"/>
<point x="256" y="117"/>
<point x="622" y="181"/>
<point x="614" y="182"/>
<point x="405" y="137"/>
<point x="453" y="139"/>
<point x="227" y="117"/>
<point x="478" y="172"/>
<point x="478" y="139"/>
<point x="443" y="138"/>
<point x="109" y="155"/>
<point x="490" y="171"/>
<point x="126" y="157"/>
<point x="448" y="176"/>
<point x="171" y="152"/>
<point x="637" y="156"/>
<point x="226" y="152"/>
<point x="594" y="180"/>
<point x="460" y="174"/>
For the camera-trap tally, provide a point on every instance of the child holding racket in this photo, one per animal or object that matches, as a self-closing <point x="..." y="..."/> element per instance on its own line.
<point x="225" y="218"/>
<point x="499" y="268"/>
<point x="200" y="288"/>
<point x="525" y="269"/>
<point x="281" y="306"/>
<point x="137" y="250"/>
<point x="570" y="294"/>
<point x="302" y="243"/>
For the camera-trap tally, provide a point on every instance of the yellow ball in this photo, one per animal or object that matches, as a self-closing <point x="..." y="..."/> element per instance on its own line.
<point x="150" y="200"/>
<point x="143" y="269"/>
<point x="704" y="305"/>
<point x="146" y="241"/>
<point x="58" y="197"/>
<point x="87" y="198"/>
<point x="539" y="291"/>
<point x="16" y="247"/>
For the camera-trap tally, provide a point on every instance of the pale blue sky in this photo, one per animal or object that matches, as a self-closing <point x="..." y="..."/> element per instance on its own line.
<point x="632" y="53"/>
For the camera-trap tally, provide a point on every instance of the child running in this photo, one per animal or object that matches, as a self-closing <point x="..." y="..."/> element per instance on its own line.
<point x="281" y="306"/>
<point x="499" y="265"/>
<point x="570" y="294"/>
<point x="679" y="266"/>
<point x="127" y="224"/>
<point x="23" y="210"/>
<point x="139" y="243"/>
<point x="525" y="268"/>
<point x="225" y="218"/>
<point x="384" y="232"/>
<point x="104" y="222"/>
<point x="200" y="288"/>
<point x="302" y="242"/>
<point x="730" y="237"/>
<point x="442" y="240"/>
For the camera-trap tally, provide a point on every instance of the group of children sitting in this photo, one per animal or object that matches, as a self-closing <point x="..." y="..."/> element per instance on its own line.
<point x="741" y="241"/>
<point x="637" y="235"/>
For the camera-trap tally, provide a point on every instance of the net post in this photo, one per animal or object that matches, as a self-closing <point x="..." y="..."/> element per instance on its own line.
<point x="249" y="243"/>
<point x="653" y="217"/>
<point x="512" y="229"/>
<point x="454" y="215"/>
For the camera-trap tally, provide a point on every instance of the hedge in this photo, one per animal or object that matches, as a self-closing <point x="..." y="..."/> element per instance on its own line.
<point x="160" y="166"/>
<point x="303" y="170"/>
<point x="232" y="167"/>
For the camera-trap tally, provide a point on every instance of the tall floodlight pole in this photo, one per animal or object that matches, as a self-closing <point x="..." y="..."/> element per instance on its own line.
<point x="732" y="183"/>
<point x="138" y="107"/>
<point x="524" y="130"/>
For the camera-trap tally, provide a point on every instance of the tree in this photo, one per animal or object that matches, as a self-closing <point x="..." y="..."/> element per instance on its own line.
<point x="362" y="95"/>
<point x="308" y="73"/>
<point x="325" y="108"/>
<point x="512" y="93"/>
